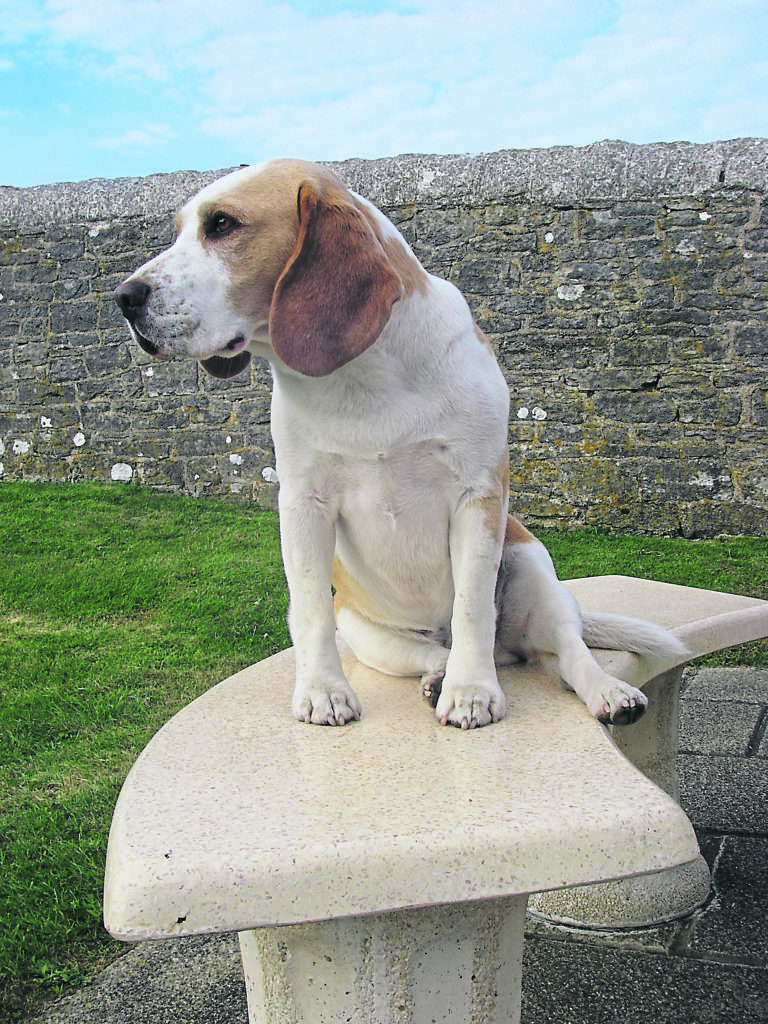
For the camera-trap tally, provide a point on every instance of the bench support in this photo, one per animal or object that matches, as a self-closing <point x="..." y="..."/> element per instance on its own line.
<point x="458" y="964"/>
<point x="651" y="745"/>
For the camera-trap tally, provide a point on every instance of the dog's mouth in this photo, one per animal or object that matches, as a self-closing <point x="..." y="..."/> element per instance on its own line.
<point x="236" y="344"/>
<point x="149" y="346"/>
<point x="226" y="366"/>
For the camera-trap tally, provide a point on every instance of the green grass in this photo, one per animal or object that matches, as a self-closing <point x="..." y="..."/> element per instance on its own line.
<point x="117" y="606"/>
<point x="120" y="605"/>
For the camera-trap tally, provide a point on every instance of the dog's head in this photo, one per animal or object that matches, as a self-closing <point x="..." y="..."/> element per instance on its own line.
<point x="283" y="254"/>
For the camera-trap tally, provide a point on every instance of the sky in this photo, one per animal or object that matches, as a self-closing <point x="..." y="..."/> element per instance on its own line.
<point x="113" y="88"/>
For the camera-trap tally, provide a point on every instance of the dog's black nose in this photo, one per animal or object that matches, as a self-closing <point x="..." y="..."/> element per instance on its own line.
<point x="131" y="296"/>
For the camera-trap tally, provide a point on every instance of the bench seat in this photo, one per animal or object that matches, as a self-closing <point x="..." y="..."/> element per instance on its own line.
<point x="380" y="871"/>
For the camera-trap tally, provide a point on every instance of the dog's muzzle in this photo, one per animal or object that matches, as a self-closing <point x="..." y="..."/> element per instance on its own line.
<point x="131" y="296"/>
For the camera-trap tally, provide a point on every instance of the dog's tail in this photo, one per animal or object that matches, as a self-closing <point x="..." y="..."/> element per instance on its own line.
<point x="622" y="633"/>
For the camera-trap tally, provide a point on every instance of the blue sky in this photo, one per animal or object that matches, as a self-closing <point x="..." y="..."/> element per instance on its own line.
<point x="106" y="88"/>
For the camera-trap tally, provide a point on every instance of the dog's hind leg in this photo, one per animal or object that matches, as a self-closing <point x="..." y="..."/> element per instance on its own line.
<point x="394" y="652"/>
<point x="610" y="700"/>
<point x="538" y="616"/>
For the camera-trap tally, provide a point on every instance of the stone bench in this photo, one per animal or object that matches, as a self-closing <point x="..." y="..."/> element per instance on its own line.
<point x="380" y="872"/>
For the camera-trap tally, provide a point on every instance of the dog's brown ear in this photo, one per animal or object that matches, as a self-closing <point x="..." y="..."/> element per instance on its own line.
<point x="223" y="368"/>
<point x="335" y="295"/>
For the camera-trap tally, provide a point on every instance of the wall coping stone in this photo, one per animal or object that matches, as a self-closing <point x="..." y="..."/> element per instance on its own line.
<point x="601" y="173"/>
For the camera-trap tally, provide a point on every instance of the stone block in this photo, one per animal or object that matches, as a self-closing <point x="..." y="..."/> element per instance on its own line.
<point x="107" y="360"/>
<point x="756" y="240"/>
<point x="636" y="406"/>
<point x="751" y="477"/>
<point x="65" y="250"/>
<point x="751" y="340"/>
<point x="637" y="350"/>
<point x="731" y="518"/>
<point x="76" y="316"/>
<point x="171" y="379"/>
<point x="114" y="237"/>
<point x="485" y="275"/>
<point x="718" y="410"/>
<point x="759" y="407"/>
<point x="36" y="394"/>
<point x="62" y="371"/>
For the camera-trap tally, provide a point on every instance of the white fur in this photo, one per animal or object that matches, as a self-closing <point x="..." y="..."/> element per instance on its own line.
<point x="395" y="464"/>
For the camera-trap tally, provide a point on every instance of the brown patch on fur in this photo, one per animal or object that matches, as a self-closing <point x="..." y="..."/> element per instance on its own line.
<point x="491" y="506"/>
<point x="493" y="503"/>
<point x="265" y="206"/>
<point x="414" y="277"/>
<point x="480" y="335"/>
<point x="351" y="594"/>
<point x="516" y="533"/>
<point x="504" y="472"/>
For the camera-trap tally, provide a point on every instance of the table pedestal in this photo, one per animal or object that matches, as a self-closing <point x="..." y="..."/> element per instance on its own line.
<point x="458" y="964"/>
<point x="645" y="900"/>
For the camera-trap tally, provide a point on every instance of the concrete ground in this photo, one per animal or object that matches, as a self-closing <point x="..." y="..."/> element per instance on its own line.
<point x="710" y="968"/>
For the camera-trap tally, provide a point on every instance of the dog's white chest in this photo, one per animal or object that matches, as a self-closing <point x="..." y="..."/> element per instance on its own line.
<point x="393" y="528"/>
<point x="400" y="488"/>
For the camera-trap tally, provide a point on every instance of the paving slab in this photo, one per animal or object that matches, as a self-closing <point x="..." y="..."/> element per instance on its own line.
<point x="718" y="728"/>
<point x="733" y="927"/>
<point x="730" y="684"/>
<point x="725" y="794"/>
<point x="566" y="982"/>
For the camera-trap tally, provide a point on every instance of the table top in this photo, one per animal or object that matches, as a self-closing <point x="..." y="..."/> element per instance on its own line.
<point x="237" y="816"/>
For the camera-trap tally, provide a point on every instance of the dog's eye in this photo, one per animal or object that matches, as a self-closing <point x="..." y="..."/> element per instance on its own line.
<point x="219" y="224"/>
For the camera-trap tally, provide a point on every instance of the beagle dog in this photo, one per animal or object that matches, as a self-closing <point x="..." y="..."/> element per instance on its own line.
<point x="389" y="420"/>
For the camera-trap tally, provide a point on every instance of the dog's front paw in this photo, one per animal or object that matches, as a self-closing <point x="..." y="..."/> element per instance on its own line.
<point x="326" y="704"/>
<point x="470" y="705"/>
<point x="620" y="704"/>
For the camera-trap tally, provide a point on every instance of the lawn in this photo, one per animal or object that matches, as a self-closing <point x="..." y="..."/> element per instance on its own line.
<point x="118" y="606"/>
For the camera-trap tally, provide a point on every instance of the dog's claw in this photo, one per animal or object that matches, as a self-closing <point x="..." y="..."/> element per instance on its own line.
<point x="431" y="687"/>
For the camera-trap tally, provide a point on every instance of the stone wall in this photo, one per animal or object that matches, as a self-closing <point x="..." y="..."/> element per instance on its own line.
<point x="623" y="287"/>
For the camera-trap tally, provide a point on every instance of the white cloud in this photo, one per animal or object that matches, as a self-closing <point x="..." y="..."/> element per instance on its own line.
<point x="656" y="74"/>
<point x="248" y="79"/>
<point x="382" y="83"/>
<point x="484" y="78"/>
<point x="148" y="136"/>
